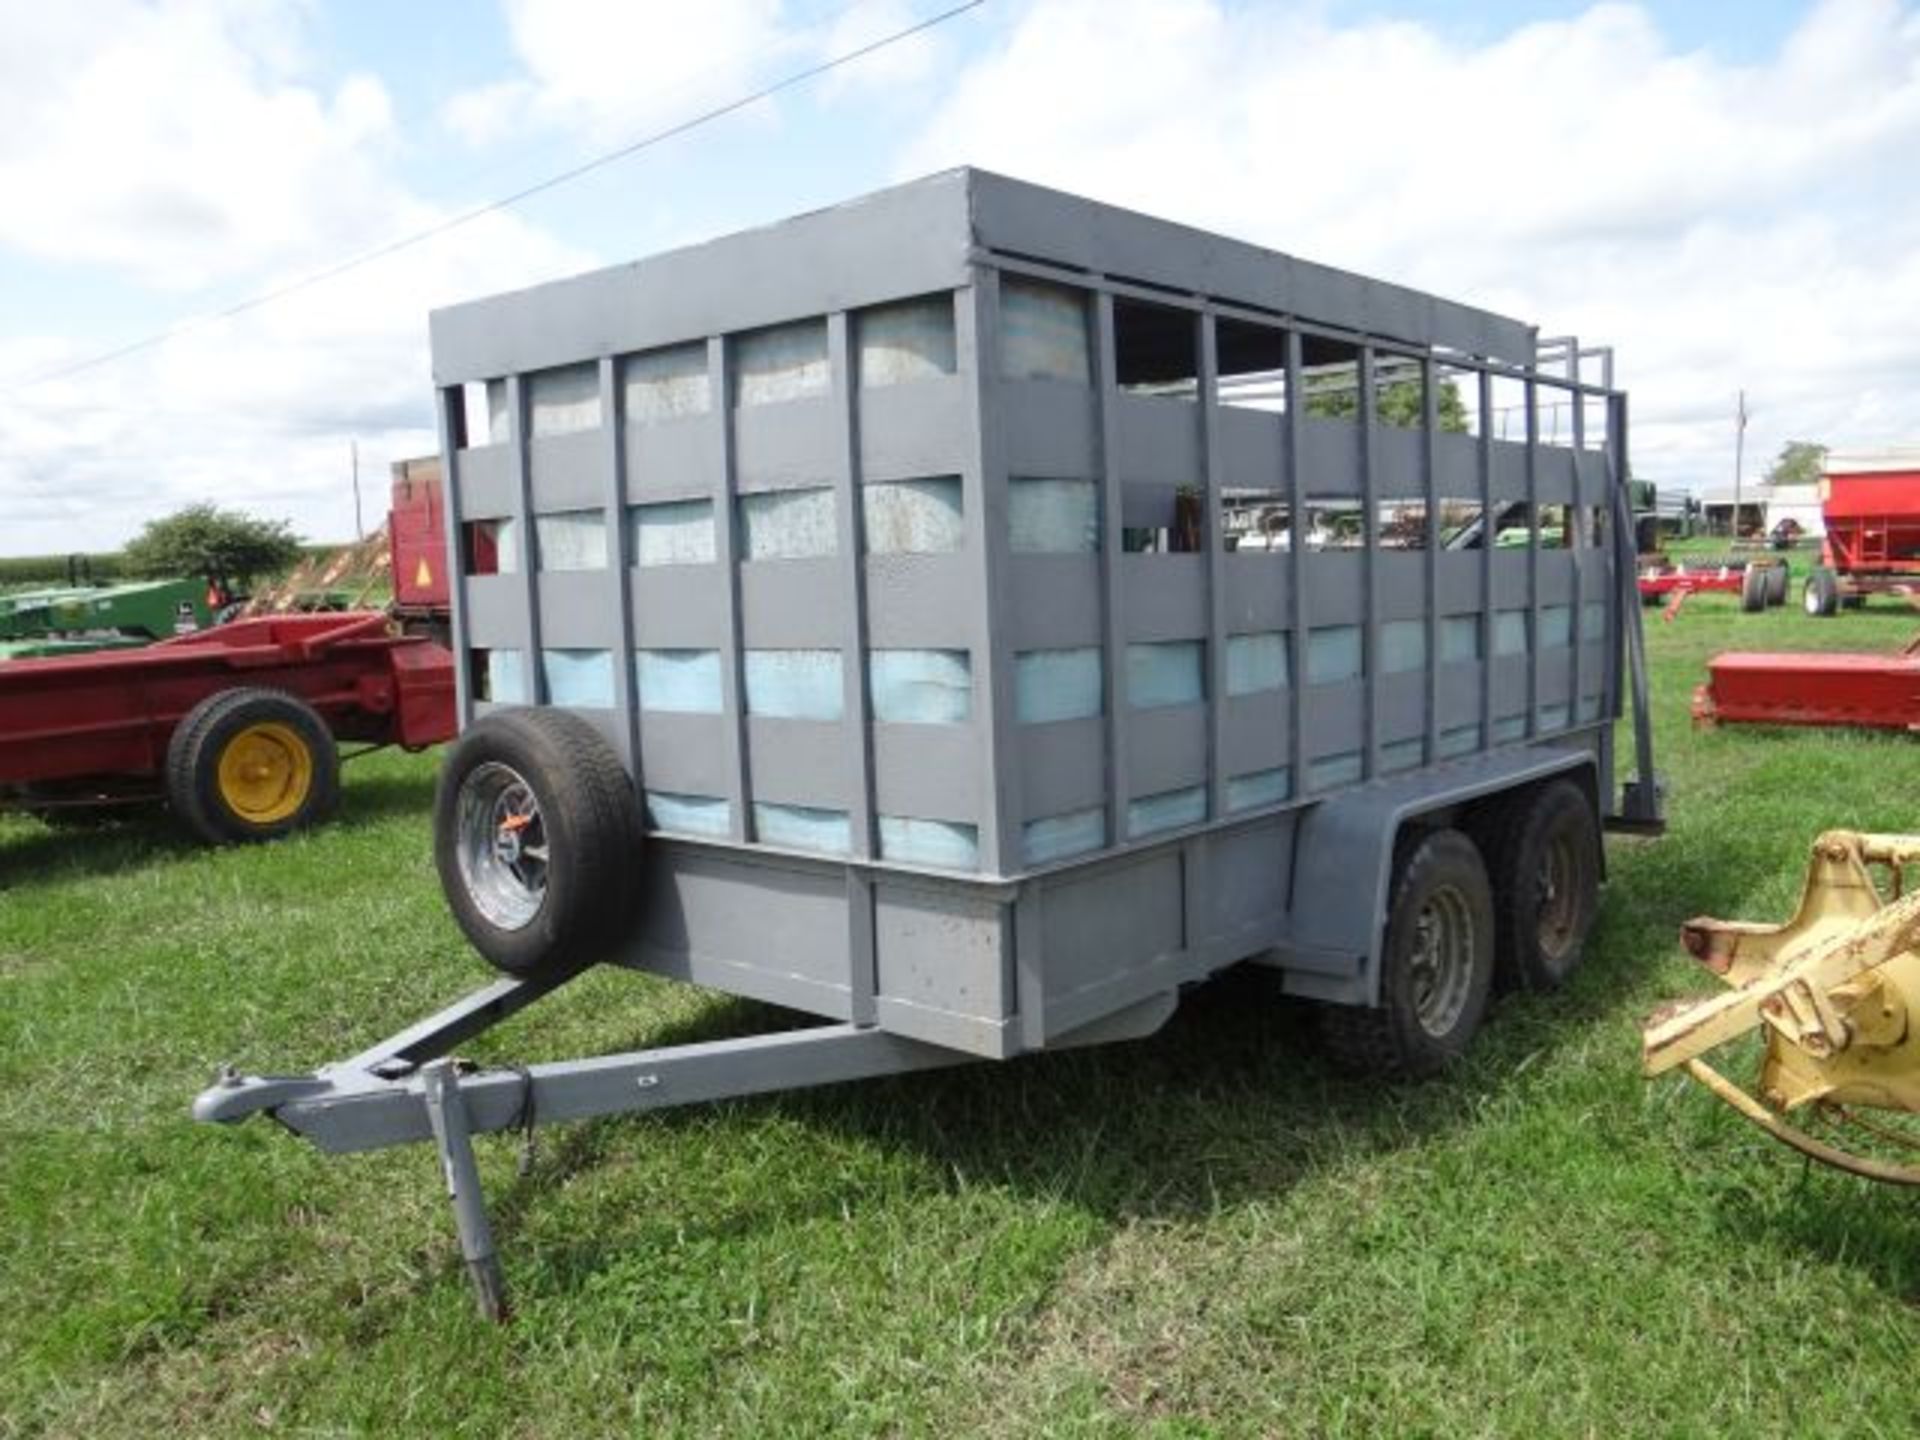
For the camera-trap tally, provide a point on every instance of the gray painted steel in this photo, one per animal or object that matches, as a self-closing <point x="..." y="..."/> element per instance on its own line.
<point x="973" y="701"/>
<point x="1114" y="806"/>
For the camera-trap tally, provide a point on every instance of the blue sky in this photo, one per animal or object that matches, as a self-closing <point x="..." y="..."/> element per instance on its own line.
<point x="1718" y="189"/>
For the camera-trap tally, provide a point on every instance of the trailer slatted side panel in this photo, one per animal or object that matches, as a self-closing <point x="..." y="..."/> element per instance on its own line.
<point x="982" y="583"/>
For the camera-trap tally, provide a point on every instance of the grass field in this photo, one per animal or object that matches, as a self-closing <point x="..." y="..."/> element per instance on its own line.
<point x="1207" y="1232"/>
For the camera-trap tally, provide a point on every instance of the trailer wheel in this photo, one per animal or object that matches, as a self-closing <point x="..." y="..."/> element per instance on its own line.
<point x="1753" y="589"/>
<point x="537" y="840"/>
<point x="1436" y="965"/>
<point x="1542" y="849"/>
<point x="1778" y="581"/>
<point x="251" y="765"/>
<point x="1821" y="594"/>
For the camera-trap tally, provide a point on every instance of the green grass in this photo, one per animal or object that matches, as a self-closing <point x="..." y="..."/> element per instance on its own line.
<point x="1206" y="1232"/>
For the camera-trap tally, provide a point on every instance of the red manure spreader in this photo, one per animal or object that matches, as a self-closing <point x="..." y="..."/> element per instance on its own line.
<point x="237" y="727"/>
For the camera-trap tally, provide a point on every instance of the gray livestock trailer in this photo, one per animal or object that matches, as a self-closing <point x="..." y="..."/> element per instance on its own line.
<point x="971" y="614"/>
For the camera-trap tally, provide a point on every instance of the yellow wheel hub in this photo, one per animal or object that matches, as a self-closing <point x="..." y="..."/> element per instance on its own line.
<point x="266" y="773"/>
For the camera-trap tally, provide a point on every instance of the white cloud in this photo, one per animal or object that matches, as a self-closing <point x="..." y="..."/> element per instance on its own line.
<point x="168" y="145"/>
<point x="256" y="412"/>
<point x="1721" y="224"/>
<point x="173" y="141"/>
<point x="612" y="69"/>
<point x="899" y="66"/>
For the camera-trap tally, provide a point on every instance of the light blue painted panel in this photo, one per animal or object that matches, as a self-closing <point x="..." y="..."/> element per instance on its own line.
<point x="1593" y="620"/>
<point x="666" y="384"/>
<point x="571" y="540"/>
<point x="795" y="684"/>
<point x="921" y="687"/>
<point x="912" y="340"/>
<point x="563" y="400"/>
<point x="1589" y="707"/>
<point x="1165" y="673"/>
<point x="1331" y="770"/>
<point x="1043" y="331"/>
<point x="1053" y="517"/>
<point x="788" y="524"/>
<point x="676" y="532"/>
<point x="1460" y="740"/>
<point x="1459" y="637"/>
<point x="1056" y="837"/>
<point x="1553" y="717"/>
<point x="581" y="678"/>
<point x="685" y="682"/>
<point x="1403" y="645"/>
<point x="1333" y="653"/>
<point x="1056" y="685"/>
<point x="913" y="517"/>
<point x="1556" y="626"/>
<point x="1168" y="810"/>
<point x="507" y="677"/>
<point x="1256" y="663"/>
<point x="689" y="814"/>
<point x="786" y="362"/>
<point x="951" y="844"/>
<point x="1262" y="787"/>
<point x="1513" y="727"/>
<point x="803" y="827"/>
<point x="1401" y="755"/>
<point x="1510" y="632"/>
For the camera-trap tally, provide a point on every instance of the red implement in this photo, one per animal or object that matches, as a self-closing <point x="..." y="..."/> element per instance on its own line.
<point x="1880" y="692"/>
<point x="105" y="719"/>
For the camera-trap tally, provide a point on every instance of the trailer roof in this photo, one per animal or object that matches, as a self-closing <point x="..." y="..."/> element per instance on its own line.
<point x="920" y="237"/>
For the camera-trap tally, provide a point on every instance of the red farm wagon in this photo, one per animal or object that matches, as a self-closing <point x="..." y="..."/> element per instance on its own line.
<point x="1870" y="502"/>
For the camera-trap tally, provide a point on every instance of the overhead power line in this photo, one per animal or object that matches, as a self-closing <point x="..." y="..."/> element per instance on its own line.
<point x="467" y="217"/>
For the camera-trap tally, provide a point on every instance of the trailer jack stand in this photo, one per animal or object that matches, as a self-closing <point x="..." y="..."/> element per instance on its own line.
<point x="452" y="1134"/>
<point x="1832" y="992"/>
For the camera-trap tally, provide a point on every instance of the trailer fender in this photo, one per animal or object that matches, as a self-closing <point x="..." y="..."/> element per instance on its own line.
<point x="1343" y="863"/>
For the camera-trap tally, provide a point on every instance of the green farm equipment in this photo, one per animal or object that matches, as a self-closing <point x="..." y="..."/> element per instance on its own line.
<point x="77" y="618"/>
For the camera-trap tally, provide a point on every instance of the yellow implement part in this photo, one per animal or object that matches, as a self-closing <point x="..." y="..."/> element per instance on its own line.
<point x="1830" y="991"/>
<point x="265" y="772"/>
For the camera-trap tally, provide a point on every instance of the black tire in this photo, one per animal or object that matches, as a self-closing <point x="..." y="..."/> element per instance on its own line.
<point x="556" y="890"/>
<point x="1820" y="596"/>
<point x="1542" y="849"/>
<point x="248" y="731"/>
<point x="1753" y="589"/>
<point x="1413" y="1032"/>
<point x="1778" y="582"/>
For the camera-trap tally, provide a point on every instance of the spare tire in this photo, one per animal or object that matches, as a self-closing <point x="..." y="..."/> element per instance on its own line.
<point x="537" y="837"/>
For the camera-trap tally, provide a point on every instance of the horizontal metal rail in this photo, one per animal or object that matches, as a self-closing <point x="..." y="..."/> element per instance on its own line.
<point x="343" y="1109"/>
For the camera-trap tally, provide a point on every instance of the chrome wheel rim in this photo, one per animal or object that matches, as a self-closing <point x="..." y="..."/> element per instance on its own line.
<point x="501" y="844"/>
<point x="1441" y="964"/>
